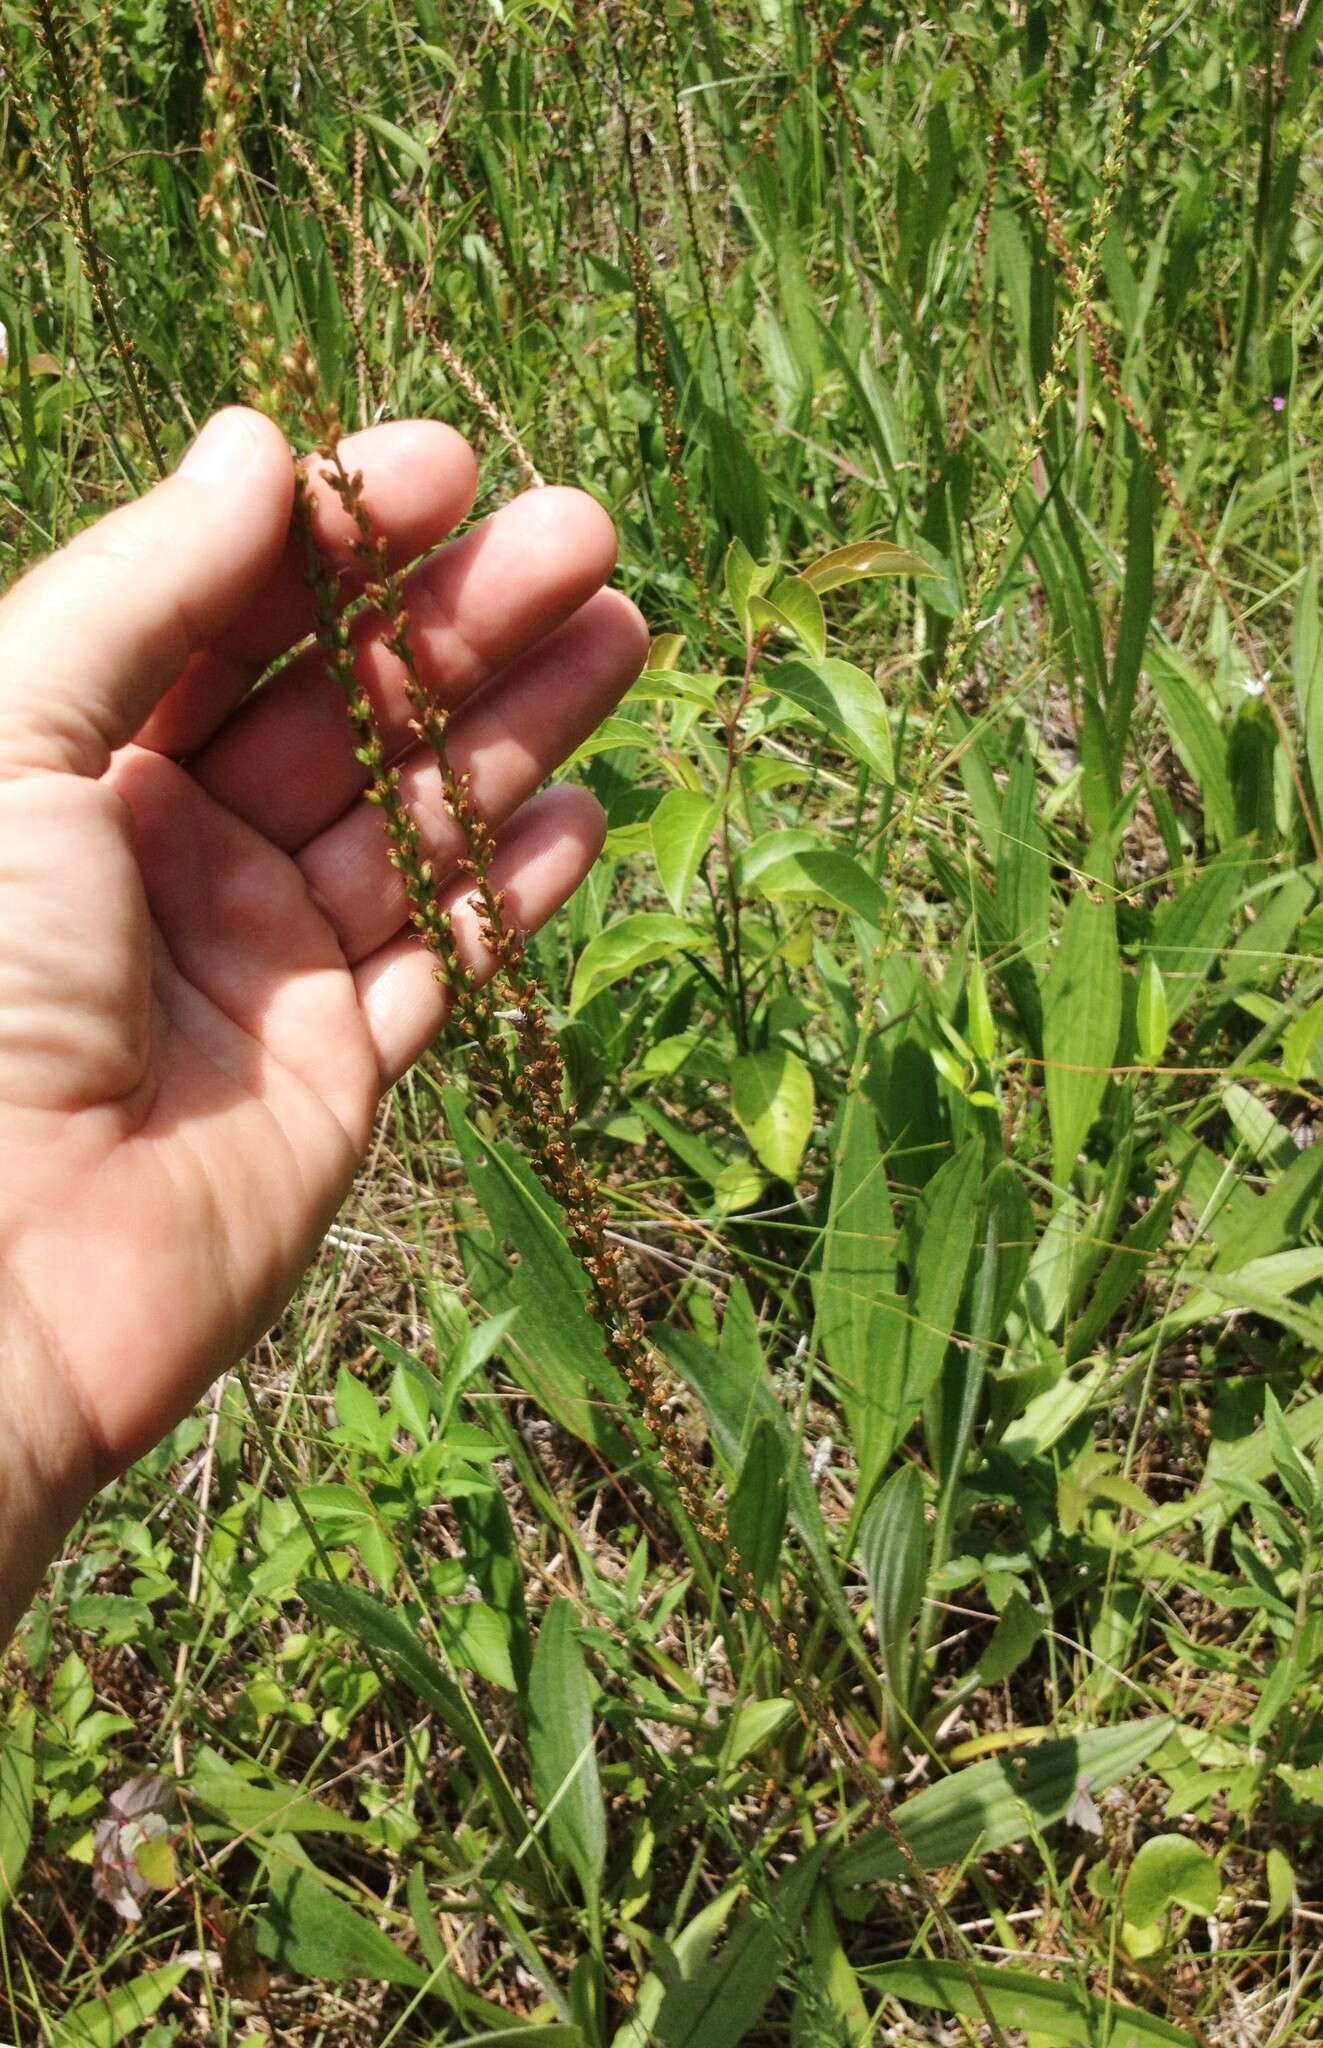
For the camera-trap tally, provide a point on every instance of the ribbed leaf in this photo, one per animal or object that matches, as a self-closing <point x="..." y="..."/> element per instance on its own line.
<point x="1081" y="1026"/>
<point x="990" y="1804"/>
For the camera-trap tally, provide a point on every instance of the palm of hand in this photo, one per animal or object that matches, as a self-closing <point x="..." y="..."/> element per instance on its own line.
<point x="199" y="1101"/>
<point x="206" y="974"/>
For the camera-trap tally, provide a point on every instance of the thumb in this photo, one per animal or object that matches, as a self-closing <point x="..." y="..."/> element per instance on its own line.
<point x="92" y="637"/>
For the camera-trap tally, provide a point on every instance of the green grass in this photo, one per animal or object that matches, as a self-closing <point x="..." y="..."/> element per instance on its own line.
<point x="948" y="1030"/>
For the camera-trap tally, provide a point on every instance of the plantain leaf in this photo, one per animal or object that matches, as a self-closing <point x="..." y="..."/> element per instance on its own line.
<point x="894" y="1551"/>
<point x="757" y="1511"/>
<point x="939" y="1239"/>
<point x="719" y="2004"/>
<point x="1081" y="1026"/>
<point x="1190" y="932"/>
<point x="17" y="1787"/>
<point x="562" y="1756"/>
<point x="857" y="1283"/>
<point x="307" y="1927"/>
<point x="987" y="1805"/>
<point x="121" y="2013"/>
<point x="1034" y="2006"/>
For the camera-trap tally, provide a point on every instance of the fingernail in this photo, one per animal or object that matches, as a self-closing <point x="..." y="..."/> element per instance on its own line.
<point x="223" y="450"/>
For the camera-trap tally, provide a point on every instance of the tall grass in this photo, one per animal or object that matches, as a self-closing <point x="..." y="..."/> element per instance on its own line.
<point x="934" y="1070"/>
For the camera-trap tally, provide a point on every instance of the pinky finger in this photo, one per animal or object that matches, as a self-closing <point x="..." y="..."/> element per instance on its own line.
<point x="542" y="855"/>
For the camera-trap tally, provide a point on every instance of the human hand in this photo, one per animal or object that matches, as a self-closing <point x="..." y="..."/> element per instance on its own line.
<point x="206" y="975"/>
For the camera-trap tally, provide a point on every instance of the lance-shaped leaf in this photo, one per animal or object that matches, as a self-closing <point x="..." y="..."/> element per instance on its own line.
<point x="1081" y="1025"/>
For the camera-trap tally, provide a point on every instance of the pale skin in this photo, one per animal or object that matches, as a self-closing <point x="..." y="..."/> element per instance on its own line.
<point x="207" y="980"/>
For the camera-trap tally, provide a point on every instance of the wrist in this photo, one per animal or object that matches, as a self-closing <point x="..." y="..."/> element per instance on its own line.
<point x="47" y="1470"/>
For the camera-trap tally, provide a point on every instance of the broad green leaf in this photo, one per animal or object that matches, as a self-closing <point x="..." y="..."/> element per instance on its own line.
<point x="738" y="487"/>
<point x="771" y="1093"/>
<point x="831" y="878"/>
<point x="894" y="1550"/>
<point x="681" y="828"/>
<point x="627" y="945"/>
<point x="1137" y="596"/>
<point x="863" y="558"/>
<point x="561" y="1751"/>
<point x="772" y="847"/>
<point x="1151" y="1014"/>
<point x="1081" y="1026"/>
<point x="1169" y="1870"/>
<point x="793" y="604"/>
<point x="833" y="1982"/>
<point x="17" y="1785"/>
<point x="1264" y="1287"/>
<point x="121" y="2013"/>
<point x="475" y="1640"/>
<point x="847" y="702"/>
<point x="1024" y="869"/>
<point x="1033" y="2006"/>
<point x="305" y="1926"/>
<point x="1299" y="1040"/>
<point x="987" y="1805"/>
<point x="757" y="1510"/>
<point x="982" y="1030"/>
<point x="1281" y="1885"/>
<point x="1266" y="1141"/>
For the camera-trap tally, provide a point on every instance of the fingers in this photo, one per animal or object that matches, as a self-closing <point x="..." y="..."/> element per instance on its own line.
<point x="542" y="856"/>
<point x="91" y="638"/>
<point x="507" y="740"/>
<point x="285" y="762"/>
<point x="418" y="483"/>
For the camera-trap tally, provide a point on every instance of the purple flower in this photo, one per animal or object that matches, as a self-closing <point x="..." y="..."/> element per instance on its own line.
<point x="1278" y="402"/>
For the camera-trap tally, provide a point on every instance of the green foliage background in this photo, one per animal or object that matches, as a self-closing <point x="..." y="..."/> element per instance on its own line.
<point x="946" y="1019"/>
